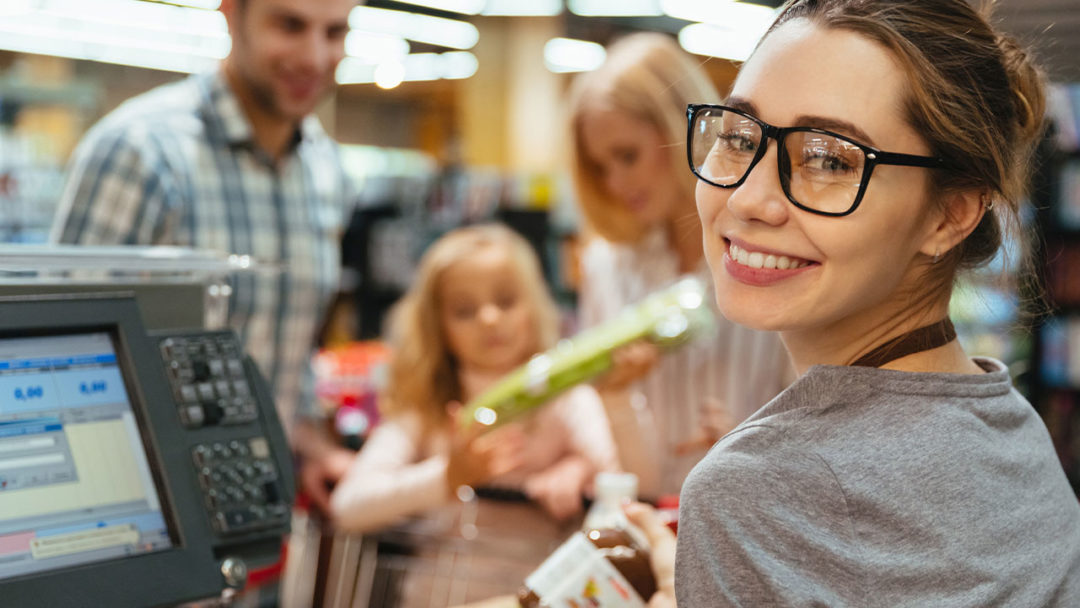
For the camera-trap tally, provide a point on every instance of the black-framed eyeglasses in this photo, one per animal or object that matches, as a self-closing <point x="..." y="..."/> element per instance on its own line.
<point x="820" y="171"/>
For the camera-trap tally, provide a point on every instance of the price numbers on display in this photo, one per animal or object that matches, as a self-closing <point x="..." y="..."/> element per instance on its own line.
<point x="92" y="388"/>
<point x="28" y="393"/>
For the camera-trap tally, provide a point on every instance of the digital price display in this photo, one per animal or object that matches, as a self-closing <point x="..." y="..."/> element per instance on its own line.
<point x="75" y="485"/>
<point x="30" y="392"/>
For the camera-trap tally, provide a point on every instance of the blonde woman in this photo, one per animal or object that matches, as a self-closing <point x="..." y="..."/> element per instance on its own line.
<point x="478" y="309"/>
<point x="628" y="128"/>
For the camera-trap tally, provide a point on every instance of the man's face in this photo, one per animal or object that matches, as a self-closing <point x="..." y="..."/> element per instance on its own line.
<point x="286" y="51"/>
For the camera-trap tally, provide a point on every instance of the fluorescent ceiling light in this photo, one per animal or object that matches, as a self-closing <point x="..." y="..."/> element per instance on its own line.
<point x="375" y="47"/>
<point x="450" y="33"/>
<point x="144" y="34"/>
<point x="465" y="7"/>
<point x="105" y="50"/>
<point x="615" y="8"/>
<point x="736" y="15"/>
<point x="414" y="67"/>
<point x="133" y="15"/>
<point x="569" y="55"/>
<point x="458" y="65"/>
<point x="717" y="41"/>
<point x="389" y="74"/>
<point x="126" y="32"/>
<point x="352" y="71"/>
<point x="212" y="5"/>
<point x="522" y="8"/>
<point x="16" y="7"/>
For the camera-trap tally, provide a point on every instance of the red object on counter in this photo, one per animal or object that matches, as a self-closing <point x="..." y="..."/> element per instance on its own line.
<point x="668" y="506"/>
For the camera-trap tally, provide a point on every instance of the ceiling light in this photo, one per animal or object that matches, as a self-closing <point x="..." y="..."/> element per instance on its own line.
<point x="203" y="4"/>
<point x="615" y="8"/>
<point x="717" y="41"/>
<point x="375" y="47"/>
<point x="465" y="7"/>
<point x="569" y="55"/>
<point x="416" y="66"/>
<point x="458" y="65"/>
<point x="126" y="32"/>
<point x="16" y="7"/>
<point x="736" y="15"/>
<point x="103" y="49"/>
<point x="389" y="74"/>
<point x="450" y="33"/>
<point x="521" y="8"/>
<point x="352" y="70"/>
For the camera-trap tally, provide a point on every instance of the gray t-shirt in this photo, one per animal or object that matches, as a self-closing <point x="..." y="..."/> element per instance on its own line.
<point x="869" y="487"/>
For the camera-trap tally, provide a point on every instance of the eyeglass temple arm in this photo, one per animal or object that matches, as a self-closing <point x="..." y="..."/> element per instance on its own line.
<point x="906" y="160"/>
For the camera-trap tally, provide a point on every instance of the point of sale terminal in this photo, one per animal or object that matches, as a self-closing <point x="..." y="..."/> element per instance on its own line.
<point x="136" y="468"/>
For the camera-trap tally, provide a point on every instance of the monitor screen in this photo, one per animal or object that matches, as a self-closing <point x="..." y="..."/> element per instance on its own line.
<point x="75" y="483"/>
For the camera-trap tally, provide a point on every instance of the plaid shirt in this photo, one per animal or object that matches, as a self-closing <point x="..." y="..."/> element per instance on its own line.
<point x="178" y="165"/>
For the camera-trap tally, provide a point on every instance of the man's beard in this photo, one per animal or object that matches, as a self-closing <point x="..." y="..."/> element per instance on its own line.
<point x="263" y="96"/>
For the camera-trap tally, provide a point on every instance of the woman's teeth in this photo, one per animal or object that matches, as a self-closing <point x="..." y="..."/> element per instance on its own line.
<point x="761" y="260"/>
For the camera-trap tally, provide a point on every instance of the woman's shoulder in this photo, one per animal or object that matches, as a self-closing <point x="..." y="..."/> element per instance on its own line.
<point x="652" y="250"/>
<point x="758" y="467"/>
<point x="600" y="253"/>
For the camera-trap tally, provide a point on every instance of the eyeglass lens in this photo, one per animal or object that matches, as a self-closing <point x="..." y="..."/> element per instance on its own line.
<point x="818" y="171"/>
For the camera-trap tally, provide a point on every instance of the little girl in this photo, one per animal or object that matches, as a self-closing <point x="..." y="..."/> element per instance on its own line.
<point x="477" y="310"/>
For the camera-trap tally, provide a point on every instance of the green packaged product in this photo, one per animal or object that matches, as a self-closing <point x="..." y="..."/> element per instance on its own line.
<point x="667" y="318"/>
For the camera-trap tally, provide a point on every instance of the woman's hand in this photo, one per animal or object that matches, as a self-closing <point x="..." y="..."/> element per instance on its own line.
<point x="629" y="364"/>
<point x="479" y="455"/>
<point x="558" y="488"/>
<point x="661" y="551"/>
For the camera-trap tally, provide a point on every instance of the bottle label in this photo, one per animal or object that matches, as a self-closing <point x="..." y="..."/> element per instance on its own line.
<point x="577" y="574"/>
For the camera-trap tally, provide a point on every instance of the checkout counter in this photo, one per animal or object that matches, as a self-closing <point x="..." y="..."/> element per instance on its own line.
<point x="142" y="462"/>
<point x="138" y="467"/>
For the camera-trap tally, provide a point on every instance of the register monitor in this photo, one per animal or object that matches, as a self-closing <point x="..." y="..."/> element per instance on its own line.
<point x="135" y="469"/>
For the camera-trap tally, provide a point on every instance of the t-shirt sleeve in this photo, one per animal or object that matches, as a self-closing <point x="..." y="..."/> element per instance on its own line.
<point x="762" y="523"/>
<point x="117" y="191"/>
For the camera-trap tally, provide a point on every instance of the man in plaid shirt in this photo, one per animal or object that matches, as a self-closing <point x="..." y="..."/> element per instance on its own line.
<point x="235" y="161"/>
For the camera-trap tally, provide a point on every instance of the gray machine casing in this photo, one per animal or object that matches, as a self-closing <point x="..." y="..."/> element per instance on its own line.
<point x="191" y="569"/>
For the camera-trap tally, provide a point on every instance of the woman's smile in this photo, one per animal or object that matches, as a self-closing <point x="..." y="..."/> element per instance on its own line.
<point x="755" y="265"/>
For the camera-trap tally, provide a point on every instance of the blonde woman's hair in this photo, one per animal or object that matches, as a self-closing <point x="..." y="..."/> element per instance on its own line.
<point x="647" y="76"/>
<point x="423" y="374"/>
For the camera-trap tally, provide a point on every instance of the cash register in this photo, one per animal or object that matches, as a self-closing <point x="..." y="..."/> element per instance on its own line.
<point x="136" y="468"/>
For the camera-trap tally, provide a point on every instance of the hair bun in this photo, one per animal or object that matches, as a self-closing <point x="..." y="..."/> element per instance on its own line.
<point x="1027" y="83"/>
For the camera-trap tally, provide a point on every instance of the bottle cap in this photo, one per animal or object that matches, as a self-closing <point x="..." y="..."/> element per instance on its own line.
<point x="616" y="486"/>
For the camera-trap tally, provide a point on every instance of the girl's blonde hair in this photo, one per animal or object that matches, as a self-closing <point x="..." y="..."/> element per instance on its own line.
<point x="423" y="373"/>
<point x="647" y="76"/>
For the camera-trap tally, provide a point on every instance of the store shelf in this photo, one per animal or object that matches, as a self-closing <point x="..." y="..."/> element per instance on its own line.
<point x="1054" y="385"/>
<point x="81" y="94"/>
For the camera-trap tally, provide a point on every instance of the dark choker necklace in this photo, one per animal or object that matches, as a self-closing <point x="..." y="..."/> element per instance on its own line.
<point x="916" y="341"/>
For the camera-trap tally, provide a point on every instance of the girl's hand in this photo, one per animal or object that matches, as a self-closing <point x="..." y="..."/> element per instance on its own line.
<point x="558" y="488"/>
<point x="629" y="364"/>
<point x="661" y="551"/>
<point x="476" y="456"/>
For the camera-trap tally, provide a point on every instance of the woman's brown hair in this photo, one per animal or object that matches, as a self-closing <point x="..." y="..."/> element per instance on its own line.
<point x="975" y="96"/>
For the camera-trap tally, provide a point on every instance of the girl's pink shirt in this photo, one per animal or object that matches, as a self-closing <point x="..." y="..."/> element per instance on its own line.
<point x="399" y="473"/>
